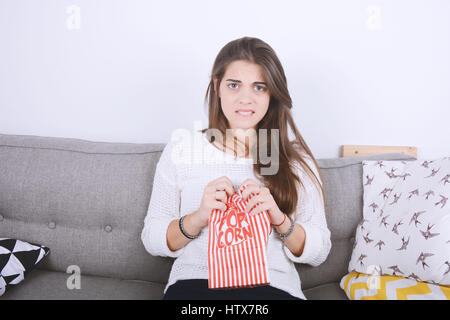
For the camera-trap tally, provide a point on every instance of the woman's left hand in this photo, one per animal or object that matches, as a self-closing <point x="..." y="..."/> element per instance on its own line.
<point x="262" y="200"/>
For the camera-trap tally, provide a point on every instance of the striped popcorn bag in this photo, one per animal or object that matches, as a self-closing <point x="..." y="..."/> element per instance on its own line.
<point x="237" y="246"/>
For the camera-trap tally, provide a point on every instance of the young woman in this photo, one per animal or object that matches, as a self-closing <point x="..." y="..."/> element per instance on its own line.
<point x="247" y="92"/>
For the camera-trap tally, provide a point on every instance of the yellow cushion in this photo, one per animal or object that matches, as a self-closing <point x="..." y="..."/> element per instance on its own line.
<point x="360" y="286"/>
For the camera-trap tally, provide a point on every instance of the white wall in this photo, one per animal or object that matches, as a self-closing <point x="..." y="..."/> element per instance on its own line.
<point x="359" y="72"/>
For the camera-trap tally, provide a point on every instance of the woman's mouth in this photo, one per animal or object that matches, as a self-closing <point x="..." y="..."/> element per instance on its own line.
<point x="245" y="113"/>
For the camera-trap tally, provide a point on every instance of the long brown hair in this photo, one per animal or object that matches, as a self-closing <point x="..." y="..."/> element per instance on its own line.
<point x="283" y="184"/>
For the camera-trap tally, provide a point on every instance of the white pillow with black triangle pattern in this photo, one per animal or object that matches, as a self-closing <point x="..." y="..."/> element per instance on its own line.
<point x="405" y="230"/>
<point x="17" y="258"/>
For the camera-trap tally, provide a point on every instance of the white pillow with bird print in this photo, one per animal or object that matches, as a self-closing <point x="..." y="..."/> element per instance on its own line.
<point x="405" y="230"/>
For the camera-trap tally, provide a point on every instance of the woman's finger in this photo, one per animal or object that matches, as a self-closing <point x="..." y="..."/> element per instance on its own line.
<point x="248" y="182"/>
<point x="254" y="201"/>
<point x="259" y="208"/>
<point x="219" y="205"/>
<point x="224" y="183"/>
<point x="251" y="189"/>
<point x="219" y="186"/>
<point x="220" y="195"/>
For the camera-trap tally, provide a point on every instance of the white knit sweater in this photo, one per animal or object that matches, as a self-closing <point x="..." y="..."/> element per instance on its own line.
<point x="186" y="166"/>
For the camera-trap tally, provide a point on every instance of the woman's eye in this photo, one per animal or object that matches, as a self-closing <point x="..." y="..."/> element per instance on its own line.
<point x="259" y="88"/>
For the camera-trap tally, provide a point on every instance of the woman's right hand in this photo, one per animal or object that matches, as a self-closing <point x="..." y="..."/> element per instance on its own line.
<point x="215" y="196"/>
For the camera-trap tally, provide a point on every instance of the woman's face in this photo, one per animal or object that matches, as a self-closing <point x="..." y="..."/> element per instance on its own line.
<point x="243" y="94"/>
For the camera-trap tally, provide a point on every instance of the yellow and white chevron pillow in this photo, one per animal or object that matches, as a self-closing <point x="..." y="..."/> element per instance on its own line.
<point x="360" y="286"/>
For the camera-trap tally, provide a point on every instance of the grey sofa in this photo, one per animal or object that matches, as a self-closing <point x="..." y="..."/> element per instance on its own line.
<point x="87" y="201"/>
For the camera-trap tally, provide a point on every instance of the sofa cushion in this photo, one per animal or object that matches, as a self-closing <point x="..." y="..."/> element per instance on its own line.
<point x="327" y="291"/>
<point x="342" y="179"/>
<point x="17" y="259"/>
<point x="52" y="285"/>
<point x="360" y="286"/>
<point x="404" y="231"/>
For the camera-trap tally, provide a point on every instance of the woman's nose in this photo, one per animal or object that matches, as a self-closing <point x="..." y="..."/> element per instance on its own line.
<point x="246" y="95"/>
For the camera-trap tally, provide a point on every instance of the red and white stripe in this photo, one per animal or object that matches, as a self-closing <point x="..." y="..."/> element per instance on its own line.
<point x="243" y="264"/>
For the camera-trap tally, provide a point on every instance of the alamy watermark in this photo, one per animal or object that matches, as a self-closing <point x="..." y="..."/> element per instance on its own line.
<point x="373" y="280"/>
<point x="190" y="149"/>
<point x="73" y="281"/>
<point x="374" y="19"/>
<point x="73" y="21"/>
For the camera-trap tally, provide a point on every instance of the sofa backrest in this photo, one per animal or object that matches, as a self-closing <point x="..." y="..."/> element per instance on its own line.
<point x="84" y="200"/>
<point x="87" y="202"/>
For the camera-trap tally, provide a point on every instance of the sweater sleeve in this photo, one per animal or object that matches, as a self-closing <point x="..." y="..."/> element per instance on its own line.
<point x="310" y="214"/>
<point x="164" y="207"/>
